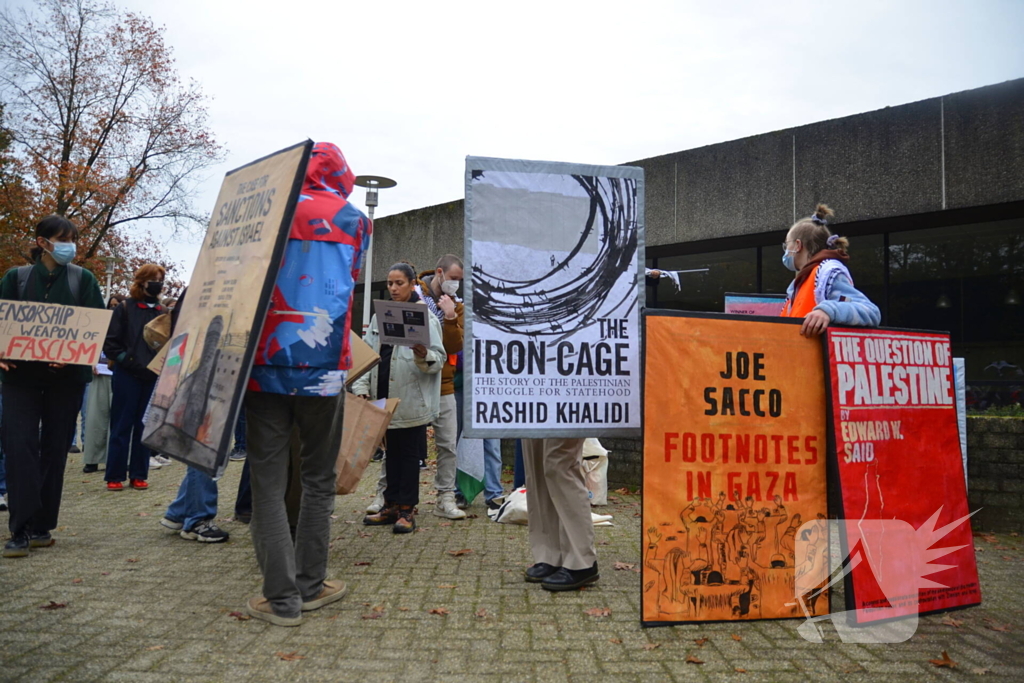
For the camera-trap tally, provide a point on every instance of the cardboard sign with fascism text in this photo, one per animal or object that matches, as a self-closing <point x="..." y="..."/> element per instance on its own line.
<point x="52" y="333"/>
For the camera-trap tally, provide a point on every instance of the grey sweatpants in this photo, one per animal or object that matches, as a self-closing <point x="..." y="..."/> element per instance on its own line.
<point x="293" y="572"/>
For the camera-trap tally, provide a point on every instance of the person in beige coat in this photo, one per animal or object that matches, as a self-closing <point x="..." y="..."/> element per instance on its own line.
<point x="413" y="375"/>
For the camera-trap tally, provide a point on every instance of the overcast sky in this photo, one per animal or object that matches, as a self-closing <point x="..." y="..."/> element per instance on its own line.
<point x="407" y="89"/>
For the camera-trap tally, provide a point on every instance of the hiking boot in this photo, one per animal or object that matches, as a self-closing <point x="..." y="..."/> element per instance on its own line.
<point x="378" y="502"/>
<point x="115" y="486"/>
<point x="445" y="507"/>
<point x="387" y="515"/>
<point x="332" y="592"/>
<point x="40" y="539"/>
<point x="17" y="547"/>
<point x="89" y="469"/>
<point x="406" y="522"/>
<point x="205" y="532"/>
<point x="138" y="484"/>
<point x="260" y="608"/>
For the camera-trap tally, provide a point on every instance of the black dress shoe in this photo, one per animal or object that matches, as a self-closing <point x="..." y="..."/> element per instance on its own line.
<point x="17" y="546"/>
<point x="570" y="579"/>
<point x="539" y="572"/>
<point x="40" y="539"/>
<point x="89" y="469"/>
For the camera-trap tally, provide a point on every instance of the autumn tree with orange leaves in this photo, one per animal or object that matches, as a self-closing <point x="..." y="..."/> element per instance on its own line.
<point x="99" y="129"/>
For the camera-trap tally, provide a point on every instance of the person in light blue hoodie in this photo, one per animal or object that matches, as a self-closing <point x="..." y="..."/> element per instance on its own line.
<point x="822" y="293"/>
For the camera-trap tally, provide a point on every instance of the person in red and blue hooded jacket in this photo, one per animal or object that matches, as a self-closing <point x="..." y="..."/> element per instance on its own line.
<point x="298" y="380"/>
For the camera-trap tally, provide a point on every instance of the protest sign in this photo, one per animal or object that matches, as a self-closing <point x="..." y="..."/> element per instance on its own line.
<point x="734" y="464"/>
<point x="553" y="294"/>
<point x="52" y="333"/>
<point x="897" y="455"/>
<point x="198" y="396"/>
<point x="754" y="304"/>
<point x="402" y="324"/>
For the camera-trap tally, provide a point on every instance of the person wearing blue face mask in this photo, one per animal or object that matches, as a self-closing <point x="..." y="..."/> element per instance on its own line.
<point x="822" y="291"/>
<point x="42" y="400"/>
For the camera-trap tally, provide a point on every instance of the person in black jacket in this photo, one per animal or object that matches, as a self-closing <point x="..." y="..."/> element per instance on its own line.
<point x="42" y="400"/>
<point x="133" y="382"/>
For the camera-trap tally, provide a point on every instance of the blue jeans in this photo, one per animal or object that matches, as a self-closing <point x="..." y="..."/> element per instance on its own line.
<point x="125" y="452"/>
<point x="240" y="431"/>
<point x="519" y="473"/>
<point x="492" y="469"/>
<point x="196" y="501"/>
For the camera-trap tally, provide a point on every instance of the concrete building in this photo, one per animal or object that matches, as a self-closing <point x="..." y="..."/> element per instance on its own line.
<point x="931" y="194"/>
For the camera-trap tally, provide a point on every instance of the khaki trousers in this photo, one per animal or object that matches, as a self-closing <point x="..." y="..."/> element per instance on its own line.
<point x="561" y="530"/>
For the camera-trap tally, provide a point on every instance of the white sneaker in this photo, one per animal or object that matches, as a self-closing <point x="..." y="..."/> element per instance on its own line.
<point x="378" y="502"/>
<point x="3" y="503"/>
<point x="155" y="464"/>
<point x="446" y="507"/>
<point x="163" y="460"/>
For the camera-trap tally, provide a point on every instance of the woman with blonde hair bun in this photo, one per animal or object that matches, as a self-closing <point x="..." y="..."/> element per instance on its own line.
<point x="822" y="291"/>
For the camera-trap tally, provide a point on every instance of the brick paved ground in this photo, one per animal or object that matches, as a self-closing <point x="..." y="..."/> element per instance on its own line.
<point x="141" y="604"/>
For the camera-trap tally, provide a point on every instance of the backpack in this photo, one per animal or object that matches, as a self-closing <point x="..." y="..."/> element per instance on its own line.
<point x="74" y="281"/>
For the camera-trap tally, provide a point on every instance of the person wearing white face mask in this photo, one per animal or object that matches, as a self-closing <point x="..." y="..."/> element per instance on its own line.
<point x="41" y="400"/>
<point x="822" y="291"/>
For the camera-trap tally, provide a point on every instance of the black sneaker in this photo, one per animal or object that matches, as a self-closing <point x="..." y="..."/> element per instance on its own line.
<point x="495" y="503"/>
<point x="237" y="455"/>
<point x="423" y="464"/>
<point x="17" y="547"/>
<point x="205" y="532"/>
<point x="40" y="539"/>
<point x="460" y="500"/>
<point x="75" y="449"/>
<point x="378" y="455"/>
<point x="89" y="469"/>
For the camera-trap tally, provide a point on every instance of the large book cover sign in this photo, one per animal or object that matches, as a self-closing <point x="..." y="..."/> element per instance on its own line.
<point x="900" y="474"/>
<point x="554" y="288"/>
<point x="734" y="475"/>
<point x="199" y="393"/>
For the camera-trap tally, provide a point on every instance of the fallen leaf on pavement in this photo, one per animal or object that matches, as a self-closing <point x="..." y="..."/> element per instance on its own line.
<point x="448" y="585"/>
<point x="482" y="613"/>
<point x="624" y="491"/>
<point x="999" y="627"/>
<point x="440" y="611"/>
<point x="652" y="646"/>
<point x="623" y="565"/>
<point x="980" y="671"/>
<point x="373" y="615"/>
<point x="950" y="621"/>
<point x="700" y="642"/>
<point x="53" y="605"/>
<point x="598" y="612"/>
<point x="459" y="553"/>
<point x="739" y="670"/>
<point x="403" y="609"/>
<point x="132" y="559"/>
<point x="737" y="638"/>
<point x="155" y="647"/>
<point x="289" y="656"/>
<point x="143" y="514"/>
<point x="945" y="661"/>
<point x="445" y="524"/>
<point x="77" y="580"/>
<point x="104" y="573"/>
<point x="616" y="641"/>
<point x="361" y="564"/>
<point x="239" y="616"/>
<point x="690" y="659"/>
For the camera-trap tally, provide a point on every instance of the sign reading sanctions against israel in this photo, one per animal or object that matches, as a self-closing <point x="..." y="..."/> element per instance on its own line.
<point x="51" y="333"/>
<point x="554" y="285"/>
<point x="734" y="465"/>
<point x="199" y="393"/>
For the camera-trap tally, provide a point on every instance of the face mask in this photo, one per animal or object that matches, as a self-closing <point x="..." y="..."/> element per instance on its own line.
<point x="450" y="287"/>
<point x="63" y="252"/>
<point x="154" y="288"/>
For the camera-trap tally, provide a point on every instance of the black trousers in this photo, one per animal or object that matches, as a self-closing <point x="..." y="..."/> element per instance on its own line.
<point x="406" y="447"/>
<point x="37" y="427"/>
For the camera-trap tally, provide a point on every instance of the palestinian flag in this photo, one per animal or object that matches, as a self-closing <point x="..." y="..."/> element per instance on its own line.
<point x="469" y="463"/>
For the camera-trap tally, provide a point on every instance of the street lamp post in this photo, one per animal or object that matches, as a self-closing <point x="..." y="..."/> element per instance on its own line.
<point x="372" y="183"/>
<point x="111" y="260"/>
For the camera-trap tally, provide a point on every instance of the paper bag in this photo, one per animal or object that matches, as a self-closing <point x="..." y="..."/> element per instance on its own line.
<point x="363" y="430"/>
<point x="364" y="358"/>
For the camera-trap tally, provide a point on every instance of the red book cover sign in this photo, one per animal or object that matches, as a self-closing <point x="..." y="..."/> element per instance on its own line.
<point x="897" y="455"/>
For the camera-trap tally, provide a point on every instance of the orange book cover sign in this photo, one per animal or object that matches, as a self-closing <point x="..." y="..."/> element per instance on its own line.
<point x="734" y="464"/>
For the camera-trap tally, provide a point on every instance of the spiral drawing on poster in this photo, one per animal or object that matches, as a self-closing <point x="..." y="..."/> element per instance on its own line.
<point x="575" y="290"/>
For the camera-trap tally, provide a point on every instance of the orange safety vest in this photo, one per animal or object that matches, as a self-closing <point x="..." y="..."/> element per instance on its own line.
<point x="803" y="301"/>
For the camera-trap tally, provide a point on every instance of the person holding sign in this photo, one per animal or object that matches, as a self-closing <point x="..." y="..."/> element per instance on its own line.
<point x="822" y="291"/>
<point x="41" y="400"/>
<point x="413" y="375"/>
<point x="133" y="382"/>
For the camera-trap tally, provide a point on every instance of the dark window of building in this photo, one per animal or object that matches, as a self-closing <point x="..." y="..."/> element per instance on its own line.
<point x="728" y="271"/>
